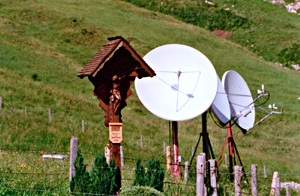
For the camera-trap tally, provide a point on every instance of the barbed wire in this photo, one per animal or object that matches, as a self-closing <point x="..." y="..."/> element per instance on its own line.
<point x="133" y="169"/>
<point x="26" y="173"/>
<point x="180" y="184"/>
<point x="51" y="191"/>
<point x="29" y="163"/>
<point x="33" y="173"/>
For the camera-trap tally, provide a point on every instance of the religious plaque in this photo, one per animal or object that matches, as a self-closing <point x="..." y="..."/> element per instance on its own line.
<point x="115" y="132"/>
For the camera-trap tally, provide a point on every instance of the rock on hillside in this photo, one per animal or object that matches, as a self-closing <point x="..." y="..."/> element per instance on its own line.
<point x="292" y="7"/>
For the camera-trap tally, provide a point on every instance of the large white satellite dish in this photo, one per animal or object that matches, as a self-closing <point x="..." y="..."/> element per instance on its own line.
<point x="240" y="100"/>
<point x="185" y="84"/>
<point x="220" y="106"/>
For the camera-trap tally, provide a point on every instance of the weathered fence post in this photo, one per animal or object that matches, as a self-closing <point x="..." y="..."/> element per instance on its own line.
<point x="107" y="153"/>
<point x="265" y="171"/>
<point x="0" y="103"/>
<point x="73" y="155"/>
<point x="225" y="158"/>
<point x="186" y="172"/>
<point x="164" y="147"/>
<point x="254" y="180"/>
<point x="213" y="176"/>
<point x="141" y="141"/>
<point x="288" y="190"/>
<point x="25" y="110"/>
<point x="277" y="186"/>
<point x="275" y="175"/>
<point x="82" y="125"/>
<point x="237" y="180"/>
<point x="50" y="118"/>
<point x="200" y="174"/>
<point x="169" y="158"/>
<point x="122" y="157"/>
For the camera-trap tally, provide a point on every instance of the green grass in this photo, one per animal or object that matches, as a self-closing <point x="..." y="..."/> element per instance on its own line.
<point x="263" y="28"/>
<point x="43" y="45"/>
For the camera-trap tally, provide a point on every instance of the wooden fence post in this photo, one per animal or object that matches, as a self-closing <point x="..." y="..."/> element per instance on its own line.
<point x="82" y="125"/>
<point x="186" y="172"/>
<point x="73" y="155"/>
<point x="265" y="171"/>
<point x="50" y="118"/>
<point x="200" y="174"/>
<point x="275" y="175"/>
<point x="288" y="190"/>
<point x="254" y="180"/>
<point x="164" y="147"/>
<point x="25" y="110"/>
<point x="121" y="156"/>
<point x="213" y="176"/>
<point x="225" y="158"/>
<point x="0" y="103"/>
<point x="107" y="153"/>
<point x="277" y="186"/>
<point x="141" y="141"/>
<point x="169" y="158"/>
<point x="237" y="180"/>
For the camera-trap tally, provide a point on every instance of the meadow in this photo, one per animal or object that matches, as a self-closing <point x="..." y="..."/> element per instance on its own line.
<point x="43" y="45"/>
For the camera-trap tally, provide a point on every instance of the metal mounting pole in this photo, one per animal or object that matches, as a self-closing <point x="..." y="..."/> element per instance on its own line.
<point x="176" y="168"/>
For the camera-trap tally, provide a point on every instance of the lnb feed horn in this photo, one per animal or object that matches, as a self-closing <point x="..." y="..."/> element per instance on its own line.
<point x="272" y="108"/>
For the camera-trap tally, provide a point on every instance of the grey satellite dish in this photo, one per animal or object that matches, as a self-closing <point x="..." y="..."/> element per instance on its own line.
<point x="240" y="100"/>
<point x="220" y="106"/>
<point x="185" y="84"/>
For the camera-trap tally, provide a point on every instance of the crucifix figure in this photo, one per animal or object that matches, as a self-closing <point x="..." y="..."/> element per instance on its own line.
<point x="115" y="100"/>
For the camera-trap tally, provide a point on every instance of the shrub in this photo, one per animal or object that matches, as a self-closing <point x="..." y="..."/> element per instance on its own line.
<point x="80" y="182"/>
<point x="99" y="176"/>
<point x="154" y="177"/>
<point x="141" y="191"/>
<point x="114" y="177"/>
<point x="103" y="178"/>
<point x="139" y="179"/>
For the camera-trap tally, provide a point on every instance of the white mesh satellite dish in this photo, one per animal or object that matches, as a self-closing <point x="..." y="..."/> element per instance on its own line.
<point x="220" y="106"/>
<point x="240" y="100"/>
<point x="185" y="84"/>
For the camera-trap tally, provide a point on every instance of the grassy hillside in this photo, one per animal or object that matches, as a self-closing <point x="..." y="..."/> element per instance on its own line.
<point x="44" y="44"/>
<point x="267" y="30"/>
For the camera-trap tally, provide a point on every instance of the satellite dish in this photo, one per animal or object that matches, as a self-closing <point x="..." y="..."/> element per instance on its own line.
<point x="185" y="84"/>
<point x="220" y="107"/>
<point x="240" y="100"/>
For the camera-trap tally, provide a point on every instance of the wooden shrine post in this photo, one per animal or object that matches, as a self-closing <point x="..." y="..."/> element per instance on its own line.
<point x="112" y="70"/>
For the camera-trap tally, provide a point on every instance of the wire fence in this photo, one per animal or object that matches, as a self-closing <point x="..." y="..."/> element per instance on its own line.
<point x="64" y="172"/>
<point x="64" y="167"/>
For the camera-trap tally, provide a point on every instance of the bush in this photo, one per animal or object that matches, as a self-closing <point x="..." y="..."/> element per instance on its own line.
<point x="139" y="179"/>
<point x="99" y="176"/>
<point x="114" y="177"/>
<point x="141" y="191"/>
<point x="103" y="178"/>
<point x="80" y="183"/>
<point x="154" y="177"/>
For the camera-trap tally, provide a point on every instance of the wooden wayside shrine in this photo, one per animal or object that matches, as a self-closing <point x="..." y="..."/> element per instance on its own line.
<point x="112" y="70"/>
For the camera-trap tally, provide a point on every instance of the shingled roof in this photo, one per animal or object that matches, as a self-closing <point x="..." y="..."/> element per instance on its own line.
<point x="102" y="56"/>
